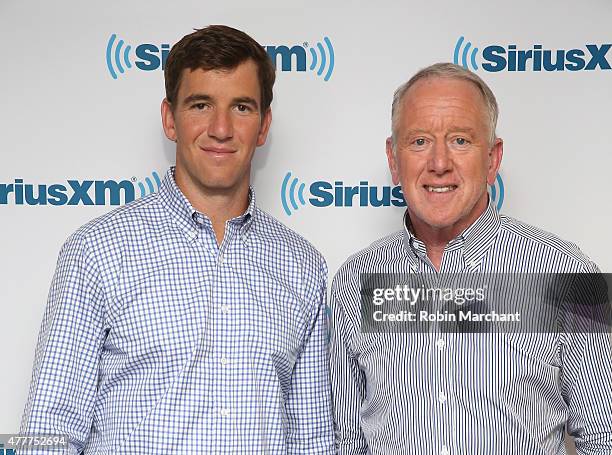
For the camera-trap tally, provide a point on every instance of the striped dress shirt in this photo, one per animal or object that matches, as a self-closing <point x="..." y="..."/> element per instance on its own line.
<point x="157" y="340"/>
<point x="467" y="393"/>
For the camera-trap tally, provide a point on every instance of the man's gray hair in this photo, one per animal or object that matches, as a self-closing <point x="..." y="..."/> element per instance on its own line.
<point x="450" y="71"/>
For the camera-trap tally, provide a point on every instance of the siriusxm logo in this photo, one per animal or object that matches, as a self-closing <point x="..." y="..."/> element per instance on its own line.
<point x="77" y="192"/>
<point x="497" y="58"/>
<point x="324" y="194"/>
<point x="121" y="57"/>
<point x="497" y="192"/>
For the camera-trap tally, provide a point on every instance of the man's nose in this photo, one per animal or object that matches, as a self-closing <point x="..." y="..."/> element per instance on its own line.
<point x="440" y="161"/>
<point x="220" y="126"/>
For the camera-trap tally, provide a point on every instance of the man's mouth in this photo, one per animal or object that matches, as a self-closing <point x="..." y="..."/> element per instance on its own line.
<point x="440" y="189"/>
<point x="218" y="150"/>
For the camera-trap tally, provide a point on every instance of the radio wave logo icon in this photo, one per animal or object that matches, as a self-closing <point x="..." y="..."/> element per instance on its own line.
<point x="289" y="191"/>
<point x="116" y="54"/>
<point x="152" y="184"/>
<point x="467" y="58"/>
<point x="497" y="192"/>
<point x="324" y="58"/>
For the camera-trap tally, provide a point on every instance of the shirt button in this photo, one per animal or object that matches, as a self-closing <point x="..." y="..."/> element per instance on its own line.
<point x="220" y="259"/>
<point x="225" y="309"/>
<point x="441" y="344"/>
<point x="224" y="412"/>
<point x="441" y="397"/>
<point x="444" y="451"/>
<point x="223" y="361"/>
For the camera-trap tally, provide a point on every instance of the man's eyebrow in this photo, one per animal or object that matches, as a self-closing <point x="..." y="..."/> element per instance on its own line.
<point x="462" y="129"/>
<point x="246" y="100"/>
<point x="197" y="97"/>
<point x="414" y="131"/>
<point x="452" y="128"/>
<point x="202" y="97"/>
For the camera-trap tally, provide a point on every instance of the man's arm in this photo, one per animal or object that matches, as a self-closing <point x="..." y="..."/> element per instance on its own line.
<point x="348" y="382"/>
<point x="308" y="404"/>
<point x="586" y="379"/>
<point x="65" y="375"/>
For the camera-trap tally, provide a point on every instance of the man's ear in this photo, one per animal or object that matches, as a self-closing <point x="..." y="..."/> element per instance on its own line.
<point x="168" y="120"/>
<point x="266" y="121"/>
<point x="391" y="159"/>
<point x="495" y="158"/>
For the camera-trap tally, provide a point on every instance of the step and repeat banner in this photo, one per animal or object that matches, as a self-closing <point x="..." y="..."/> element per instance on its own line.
<point x="82" y="82"/>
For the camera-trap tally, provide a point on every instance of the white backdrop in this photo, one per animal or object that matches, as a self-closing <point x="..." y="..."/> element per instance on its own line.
<point x="64" y="117"/>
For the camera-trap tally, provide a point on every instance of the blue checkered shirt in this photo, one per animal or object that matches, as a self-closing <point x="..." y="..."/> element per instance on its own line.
<point x="157" y="340"/>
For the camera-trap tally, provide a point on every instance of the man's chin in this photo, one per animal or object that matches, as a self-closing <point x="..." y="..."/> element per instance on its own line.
<point x="220" y="187"/>
<point x="439" y="218"/>
<point x="435" y="222"/>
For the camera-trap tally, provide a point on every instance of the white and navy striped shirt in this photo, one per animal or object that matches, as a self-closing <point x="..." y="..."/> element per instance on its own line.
<point x="452" y="393"/>
<point x="156" y="340"/>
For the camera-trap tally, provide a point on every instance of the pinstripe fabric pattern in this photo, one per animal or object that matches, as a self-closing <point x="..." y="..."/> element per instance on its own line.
<point x="450" y="393"/>
<point x="156" y="340"/>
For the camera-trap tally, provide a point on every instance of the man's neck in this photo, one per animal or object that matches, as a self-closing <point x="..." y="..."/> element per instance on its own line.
<point x="436" y="239"/>
<point x="435" y="251"/>
<point x="218" y="205"/>
<point x="220" y="208"/>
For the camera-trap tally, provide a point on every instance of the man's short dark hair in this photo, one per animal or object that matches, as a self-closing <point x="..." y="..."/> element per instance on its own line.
<point x="218" y="47"/>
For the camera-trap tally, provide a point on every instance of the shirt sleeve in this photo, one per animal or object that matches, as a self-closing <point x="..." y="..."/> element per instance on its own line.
<point x="348" y="381"/>
<point x="65" y="374"/>
<point x="586" y="379"/>
<point x="308" y="404"/>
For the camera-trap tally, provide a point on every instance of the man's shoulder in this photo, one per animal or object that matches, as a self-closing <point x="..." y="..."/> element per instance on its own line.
<point x="383" y="251"/>
<point x="118" y="223"/>
<point x="544" y="242"/>
<point x="385" y="255"/>
<point x="279" y="236"/>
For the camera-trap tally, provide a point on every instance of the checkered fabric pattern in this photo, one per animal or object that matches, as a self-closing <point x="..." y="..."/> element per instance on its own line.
<point x="157" y="340"/>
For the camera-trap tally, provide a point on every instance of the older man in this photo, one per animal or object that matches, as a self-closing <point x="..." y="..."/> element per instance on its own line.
<point x="423" y="388"/>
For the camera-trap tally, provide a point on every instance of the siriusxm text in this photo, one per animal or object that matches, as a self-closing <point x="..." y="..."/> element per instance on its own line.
<point x="73" y="192"/>
<point x="326" y="194"/>
<point x="510" y="58"/>
<point x="151" y="57"/>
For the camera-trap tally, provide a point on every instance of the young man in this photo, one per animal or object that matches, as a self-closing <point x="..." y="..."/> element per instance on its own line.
<point x="409" y="386"/>
<point x="190" y="321"/>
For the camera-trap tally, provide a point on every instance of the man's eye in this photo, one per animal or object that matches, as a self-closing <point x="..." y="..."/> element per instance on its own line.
<point x="243" y="108"/>
<point x="420" y="142"/>
<point x="199" y="106"/>
<point x="461" y="141"/>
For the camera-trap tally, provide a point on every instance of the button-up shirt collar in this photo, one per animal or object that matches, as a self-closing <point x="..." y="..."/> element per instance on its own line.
<point x="474" y="241"/>
<point x="192" y="222"/>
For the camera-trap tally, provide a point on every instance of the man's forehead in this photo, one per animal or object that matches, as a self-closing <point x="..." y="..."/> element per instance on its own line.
<point x="194" y="78"/>
<point x="248" y="66"/>
<point x="442" y="100"/>
<point x="221" y="71"/>
<point x="437" y="87"/>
